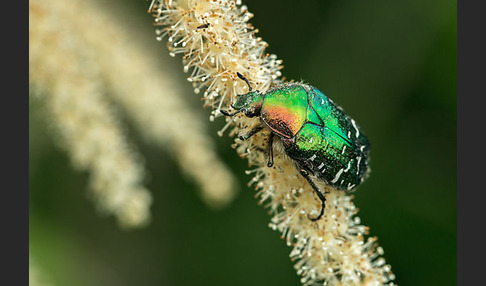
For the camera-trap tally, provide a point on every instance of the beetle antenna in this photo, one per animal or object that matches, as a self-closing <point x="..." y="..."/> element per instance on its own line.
<point x="245" y="79"/>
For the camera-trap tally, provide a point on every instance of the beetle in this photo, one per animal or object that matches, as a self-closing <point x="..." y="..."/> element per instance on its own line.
<point x="320" y="138"/>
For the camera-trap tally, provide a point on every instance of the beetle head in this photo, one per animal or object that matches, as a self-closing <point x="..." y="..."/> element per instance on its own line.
<point x="250" y="102"/>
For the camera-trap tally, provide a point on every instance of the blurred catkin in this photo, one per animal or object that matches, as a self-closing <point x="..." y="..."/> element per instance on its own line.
<point x="83" y="66"/>
<point x="216" y="41"/>
<point x="66" y="77"/>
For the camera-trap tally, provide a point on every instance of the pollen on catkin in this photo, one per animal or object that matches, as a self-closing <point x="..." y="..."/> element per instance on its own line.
<point x="215" y="41"/>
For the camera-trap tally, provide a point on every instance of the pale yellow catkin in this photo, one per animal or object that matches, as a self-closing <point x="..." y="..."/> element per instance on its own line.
<point x="215" y="41"/>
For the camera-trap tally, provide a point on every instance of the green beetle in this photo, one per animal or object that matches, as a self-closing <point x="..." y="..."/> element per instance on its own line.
<point x="317" y="135"/>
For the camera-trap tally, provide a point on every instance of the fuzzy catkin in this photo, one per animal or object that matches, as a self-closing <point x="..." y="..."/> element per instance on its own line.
<point x="215" y="41"/>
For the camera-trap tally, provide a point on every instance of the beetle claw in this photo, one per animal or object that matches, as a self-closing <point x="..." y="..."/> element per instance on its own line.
<point x="320" y="214"/>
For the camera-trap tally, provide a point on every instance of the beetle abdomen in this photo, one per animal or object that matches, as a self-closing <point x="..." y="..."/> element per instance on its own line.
<point x="336" y="119"/>
<point x="330" y="144"/>
<point x="329" y="157"/>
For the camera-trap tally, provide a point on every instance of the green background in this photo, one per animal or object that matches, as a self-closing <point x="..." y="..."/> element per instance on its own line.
<point x="390" y="64"/>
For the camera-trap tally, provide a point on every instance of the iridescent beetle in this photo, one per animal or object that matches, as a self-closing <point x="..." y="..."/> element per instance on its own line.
<point x="322" y="140"/>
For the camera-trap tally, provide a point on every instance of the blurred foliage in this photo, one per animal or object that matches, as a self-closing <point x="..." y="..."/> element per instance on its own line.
<point x="390" y="65"/>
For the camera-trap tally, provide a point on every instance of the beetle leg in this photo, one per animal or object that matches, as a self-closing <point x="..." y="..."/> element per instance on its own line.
<point x="252" y="132"/>
<point x="305" y="174"/>
<point x="270" y="150"/>
<point x="226" y="113"/>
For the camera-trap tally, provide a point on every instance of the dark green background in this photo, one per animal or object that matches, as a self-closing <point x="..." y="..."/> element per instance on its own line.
<point x="390" y="64"/>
